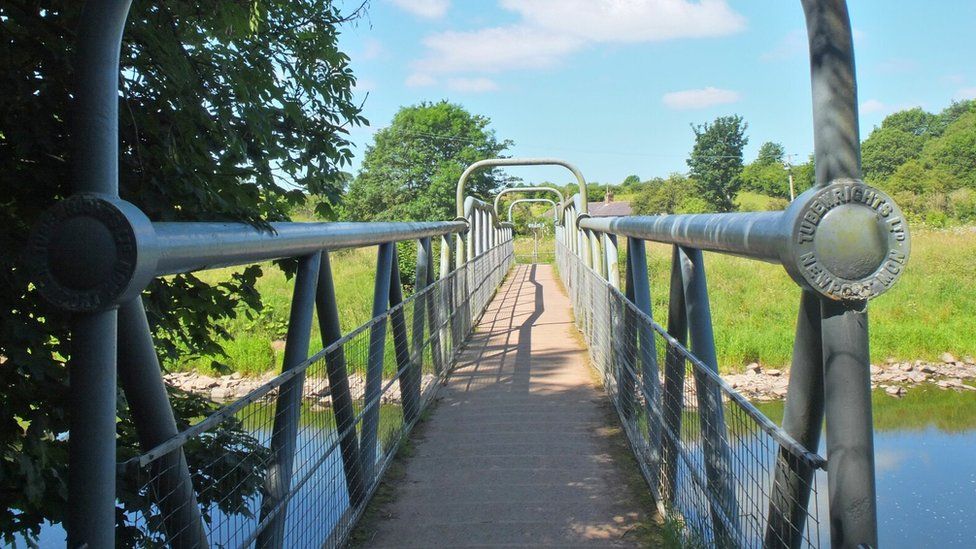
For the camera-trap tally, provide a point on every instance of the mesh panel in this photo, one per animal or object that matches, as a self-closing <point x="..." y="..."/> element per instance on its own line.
<point x="238" y="456"/>
<point x="709" y="455"/>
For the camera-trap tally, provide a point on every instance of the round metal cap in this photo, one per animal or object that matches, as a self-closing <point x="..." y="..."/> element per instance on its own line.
<point x="849" y="241"/>
<point x="88" y="252"/>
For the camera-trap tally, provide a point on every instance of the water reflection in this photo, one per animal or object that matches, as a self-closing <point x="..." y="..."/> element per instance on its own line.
<point x="925" y="445"/>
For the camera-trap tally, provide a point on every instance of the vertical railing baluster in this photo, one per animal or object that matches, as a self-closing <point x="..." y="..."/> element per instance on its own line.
<point x="674" y="382"/>
<point x="650" y="384"/>
<point x="435" y="305"/>
<point x="717" y="454"/>
<point x="850" y="428"/>
<point x="407" y="374"/>
<point x="339" y="391"/>
<point x="802" y="420"/>
<point x="142" y="380"/>
<point x="625" y="374"/>
<point x="374" y="363"/>
<point x="274" y="505"/>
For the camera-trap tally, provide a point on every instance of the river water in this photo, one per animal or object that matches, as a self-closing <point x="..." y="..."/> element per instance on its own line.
<point x="925" y="447"/>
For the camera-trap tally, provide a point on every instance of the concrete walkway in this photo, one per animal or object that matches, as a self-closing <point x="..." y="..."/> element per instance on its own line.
<point x="515" y="453"/>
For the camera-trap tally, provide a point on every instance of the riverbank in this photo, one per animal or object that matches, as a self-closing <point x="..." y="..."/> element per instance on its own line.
<point x="893" y="377"/>
<point x="757" y="383"/>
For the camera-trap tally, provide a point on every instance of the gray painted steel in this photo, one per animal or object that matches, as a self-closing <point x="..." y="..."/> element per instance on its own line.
<point x="509" y="190"/>
<point x="274" y="506"/>
<point x="335" y="362"/>
<point x="499" y="162"/>
<point x="90" y="516"/>
<point x="718" y="468"/>
<point x="142" y="380"/>
<point x="803" y="420"/>
<point x="374" y="369"/>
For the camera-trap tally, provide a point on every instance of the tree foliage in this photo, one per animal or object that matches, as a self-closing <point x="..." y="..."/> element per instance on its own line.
<point x="716" y="160"/>
<point x="228" y="111"/>
<point x="411" y="170"/>
<point x="675" y="194"/>
<point x="928" y="161"/>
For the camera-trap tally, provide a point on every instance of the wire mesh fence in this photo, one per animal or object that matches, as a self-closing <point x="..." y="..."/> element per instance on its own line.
<point x="725" y="474"/>
<point x="530" y="250"/>
<point x="253" y="484"/>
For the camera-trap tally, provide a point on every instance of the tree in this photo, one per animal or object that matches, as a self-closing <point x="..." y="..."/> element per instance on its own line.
<point x="767" y="174"/>
<point x="229" y="111"/>
<point x="411" y="170"/>
<point x="886" y="149"/>
<point x="665" y="196"/>
<point x="716" y="161"/>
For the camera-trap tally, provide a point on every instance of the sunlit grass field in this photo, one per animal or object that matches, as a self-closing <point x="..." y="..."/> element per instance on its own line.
<point x="931" y="310"/>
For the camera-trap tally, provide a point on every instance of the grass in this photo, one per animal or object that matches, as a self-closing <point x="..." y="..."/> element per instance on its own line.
<point x="256" y="346"/>
<point x="754" y="305"/>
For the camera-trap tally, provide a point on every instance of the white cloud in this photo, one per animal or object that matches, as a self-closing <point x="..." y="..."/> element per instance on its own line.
<point x="549" y="30"/>
<point x="472" y="85"/>
<point x="630" y="20"/>
<point x="493" y="49"/>
<point x="428" y="9"/>
<point x="419" y="80"/>
<point x="872" y="106"/>
<point x="966" y="93"/>
<point x="700" y="98"/>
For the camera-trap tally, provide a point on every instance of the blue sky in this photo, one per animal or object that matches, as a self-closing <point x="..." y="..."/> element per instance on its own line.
<point x="614" y="85"/>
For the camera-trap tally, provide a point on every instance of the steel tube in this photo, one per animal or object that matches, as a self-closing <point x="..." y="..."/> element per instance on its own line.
<point x="637" y="257"/>
<point x="803" y="421"/>
<point x="187" y="247"/>
<point x="409" y="383"/>
<point x="836" y="136"/>
<point x="90" y="517"/>
<point x="91" y="447"/>
<point x="674" y="381"/>
<point x="335" y="367"/>
<point x="850" y="430"/>
<point x="374" y="362"/>
<point x="625" y="376"/>
<point x="756" y="235"/>
<point x="277" y="484"/>
<point x="145" y="391"/>
<point x="499" y="162"/>
<point x="718" y="467"/>
<point x="507" y="190"/>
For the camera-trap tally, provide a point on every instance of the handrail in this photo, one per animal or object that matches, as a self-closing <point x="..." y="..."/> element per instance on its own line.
<point x="555" y="214"/>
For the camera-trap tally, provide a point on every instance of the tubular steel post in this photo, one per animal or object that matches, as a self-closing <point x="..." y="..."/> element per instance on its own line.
<point x="803" y="420"/>
<point x="637" y="258"/>
<point x="434" y="305"/>
<point x="145" y="391"/>
<point x="718" y="469"/>
<point x="674" y="380"/>
<point x="409" y="381"/>
<point x="446" y="303"/>
<point x="850" y="430"/>
<point x="419" y="312"/>
<point x="374" y="362"/>
<point x="625" y="372"/>
<point x="339" y="391"/>
<point x="274" y="506"/>
<point x="90" y="517"/>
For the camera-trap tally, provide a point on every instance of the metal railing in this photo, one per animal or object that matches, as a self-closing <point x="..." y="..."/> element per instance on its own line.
<point x="843" y="243"/>
<point x="348" y="408"/>
<point x="708" y="454"/>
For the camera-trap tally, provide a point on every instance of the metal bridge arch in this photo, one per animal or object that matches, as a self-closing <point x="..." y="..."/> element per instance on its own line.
<point x="509" y="190"/>
<point x="555" y="214"/>
<point x="499" y="162"/>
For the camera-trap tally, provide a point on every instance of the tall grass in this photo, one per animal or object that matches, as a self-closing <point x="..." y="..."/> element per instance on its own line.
<point x="929" y="311"/>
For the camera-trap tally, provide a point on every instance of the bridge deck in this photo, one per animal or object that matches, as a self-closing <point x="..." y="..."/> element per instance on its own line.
<point x="516" y="451"/>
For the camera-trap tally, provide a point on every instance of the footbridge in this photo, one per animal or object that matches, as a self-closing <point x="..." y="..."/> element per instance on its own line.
<point x="515" y="375"/>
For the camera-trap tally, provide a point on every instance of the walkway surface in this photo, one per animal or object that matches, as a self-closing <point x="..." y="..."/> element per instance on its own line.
<point x="516" y="452"/>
